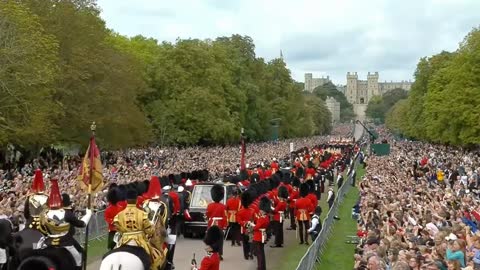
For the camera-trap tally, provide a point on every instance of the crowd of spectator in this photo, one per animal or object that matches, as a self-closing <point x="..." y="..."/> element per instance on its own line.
<point x="140" y="164"/>
<point x="419" y="208"/>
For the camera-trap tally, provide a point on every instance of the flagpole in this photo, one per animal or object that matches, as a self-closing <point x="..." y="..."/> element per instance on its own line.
<point x="242" y="159"/>
<point x="89" y="195"/>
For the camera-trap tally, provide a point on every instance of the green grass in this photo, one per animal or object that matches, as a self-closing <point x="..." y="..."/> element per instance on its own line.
<point x="338" y="255"/>
<point x="96" y="249"/>
<point x="293" y="252"/>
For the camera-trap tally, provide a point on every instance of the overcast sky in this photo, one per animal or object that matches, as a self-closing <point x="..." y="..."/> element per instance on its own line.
<point x="322" y="37"/>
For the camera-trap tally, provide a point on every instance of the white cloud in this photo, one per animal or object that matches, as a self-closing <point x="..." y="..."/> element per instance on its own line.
<point x="323" y="37"/>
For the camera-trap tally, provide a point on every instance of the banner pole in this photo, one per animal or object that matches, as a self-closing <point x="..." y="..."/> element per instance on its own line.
<point x="89" y="196"/>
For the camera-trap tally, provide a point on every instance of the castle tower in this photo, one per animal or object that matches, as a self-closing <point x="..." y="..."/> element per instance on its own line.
<point x="352" y="87"/>
<point x="308" y="82"/>
<point x="372" y="85"/>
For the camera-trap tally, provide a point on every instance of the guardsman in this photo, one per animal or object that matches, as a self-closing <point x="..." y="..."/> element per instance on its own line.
<point x="244" y="216"/>
<point x="294" y="195"/>
<point x="303" y="208"/>
<point x="72" y="219"/>
<point x="233" y="206"/>
<point x="259" y="232"/>
<point x="212" y="260"/>
<point x="278" y="215"/>
<point x="36" y="203"/>
<point x="216" y="212"/>
<point x="115" y="205"/>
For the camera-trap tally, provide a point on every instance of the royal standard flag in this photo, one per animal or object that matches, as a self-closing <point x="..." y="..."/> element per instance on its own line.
<point x="91" y="164"/>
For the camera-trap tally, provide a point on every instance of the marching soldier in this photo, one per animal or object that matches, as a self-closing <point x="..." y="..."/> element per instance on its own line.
<point x="216" y="212"/>
<point x="259" y="232"/>
<point x="244" y="216"/>
<point x="233" y="206"/>
<point x="330" y="198"/>
<point x="292" y="200"/>
<point x="73" y="220"/>
<point x="303" y="208"/>
<point x="115" y="205"/>
<point x="278" y="213"/>
<point x="212" y="260"/>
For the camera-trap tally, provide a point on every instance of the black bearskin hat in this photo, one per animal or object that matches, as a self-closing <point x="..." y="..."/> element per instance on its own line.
<point x="296" y="182"/>
<point x="247" y="198"/>
<point x="311" y="186"/>
<point x="146" y="183"/>
<point x="141" y="188"/>
<point x="113" y="196"/>
<point x="265" y="205"/>
<point x="217" y="192"/>
<point x="66" y="200"/>
<point x="112" y="185"/>
<point x="132" y="194"/>
<point x="122" y="192"/>
<point x="304" y="189"/>
<point x="275" y="181"/>
<point x="283" y="192"/>
<point x="213" y="237"/>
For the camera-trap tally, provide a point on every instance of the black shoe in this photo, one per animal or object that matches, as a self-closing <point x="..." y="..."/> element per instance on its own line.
<point x="251" y="257"/>
<point x="246" y="258"/>
<point x="233" y="244"/>
<point x="221" y="258"/>
<point x="306" y="243"/>
<point x="239" y="244"/>
<point x="301" y="243"/>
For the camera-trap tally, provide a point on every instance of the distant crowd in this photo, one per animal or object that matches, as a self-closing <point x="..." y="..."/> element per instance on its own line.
<point x="140" y="164"/>
<point x="419" y="208"/>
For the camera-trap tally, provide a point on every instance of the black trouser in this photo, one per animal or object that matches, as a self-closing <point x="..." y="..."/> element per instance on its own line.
<point x="278" y="231"/>
<point x="293" y="225"/>
<point x="179" y="221"/>
<point x="234" y="232"/>
<point x="110" y="242"/>
<point x="259" y="248"/>
<point x="330" y="204"/>
<point x="173" y="224"/>
<point x="247" y="249"/>
<point x="303" y="231"/>
<point x="220" y="244"/>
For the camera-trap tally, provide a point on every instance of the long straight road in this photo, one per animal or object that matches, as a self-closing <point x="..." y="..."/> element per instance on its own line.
<point x="233" y="256"/>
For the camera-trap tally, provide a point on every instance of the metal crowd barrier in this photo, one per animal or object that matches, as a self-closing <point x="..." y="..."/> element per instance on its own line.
<point x="314" y="253"/>
<point x="98" y="228"/>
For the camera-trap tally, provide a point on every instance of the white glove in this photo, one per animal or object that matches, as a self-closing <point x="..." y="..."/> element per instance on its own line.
<point x="86" y="218"/>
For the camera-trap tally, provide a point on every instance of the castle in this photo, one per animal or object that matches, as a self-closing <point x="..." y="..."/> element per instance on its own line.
<point x="312" y="83"/>
<point x="360" y="92"/>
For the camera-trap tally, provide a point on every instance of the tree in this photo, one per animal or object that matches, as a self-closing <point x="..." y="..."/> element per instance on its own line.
<point x="28" y="69"/>
<point x="378" y="106"/>
<point x="330" y="90"/>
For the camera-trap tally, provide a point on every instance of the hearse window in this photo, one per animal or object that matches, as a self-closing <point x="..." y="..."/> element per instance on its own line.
<point x="201" y="196"/>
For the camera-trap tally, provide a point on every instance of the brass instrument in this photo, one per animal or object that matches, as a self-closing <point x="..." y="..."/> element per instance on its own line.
<point x="156" y="210"/>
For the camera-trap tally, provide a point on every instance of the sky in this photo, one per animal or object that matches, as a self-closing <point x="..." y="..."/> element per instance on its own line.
<point x="316" y="36"/>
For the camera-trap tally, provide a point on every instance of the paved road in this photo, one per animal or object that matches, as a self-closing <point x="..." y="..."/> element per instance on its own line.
<point x="233" y="256"/>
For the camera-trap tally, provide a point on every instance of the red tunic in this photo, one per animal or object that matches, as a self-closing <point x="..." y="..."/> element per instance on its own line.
<point x="260" y="223"/>
<point x="314" y="201"/>
<point x="111" y="212"/>
<point x="176" y="202"/>
<point x="310" y="172"/>
<point x="281" y="207"/>
<point x="217" y="210"/>
<point x="274" y="166"/>
<point x="293" y="197"/>
<point x="211" y="262"/>
<point x="303" y="208"/>
<point x="268" y="174"/>
<point x="233" y="205"/>
<point x="244" y="215"/>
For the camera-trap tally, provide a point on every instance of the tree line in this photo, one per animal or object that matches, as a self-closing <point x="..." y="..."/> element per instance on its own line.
<point x="378" y="106"/>
<point x="61" y="69"/>
<point x="443" y="105"/>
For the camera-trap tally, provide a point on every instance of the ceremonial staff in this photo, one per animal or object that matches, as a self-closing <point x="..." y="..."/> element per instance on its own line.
<point x="91" y="177"/>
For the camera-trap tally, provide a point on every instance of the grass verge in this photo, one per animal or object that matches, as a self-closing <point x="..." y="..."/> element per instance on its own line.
<point x="338" y="255"/>
<point x="293" y="252"/>
<point x="96" y="249"/>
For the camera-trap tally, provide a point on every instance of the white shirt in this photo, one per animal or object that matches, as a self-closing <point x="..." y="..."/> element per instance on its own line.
<point x="330" y="194"/>
<point x="314" y="224"/>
